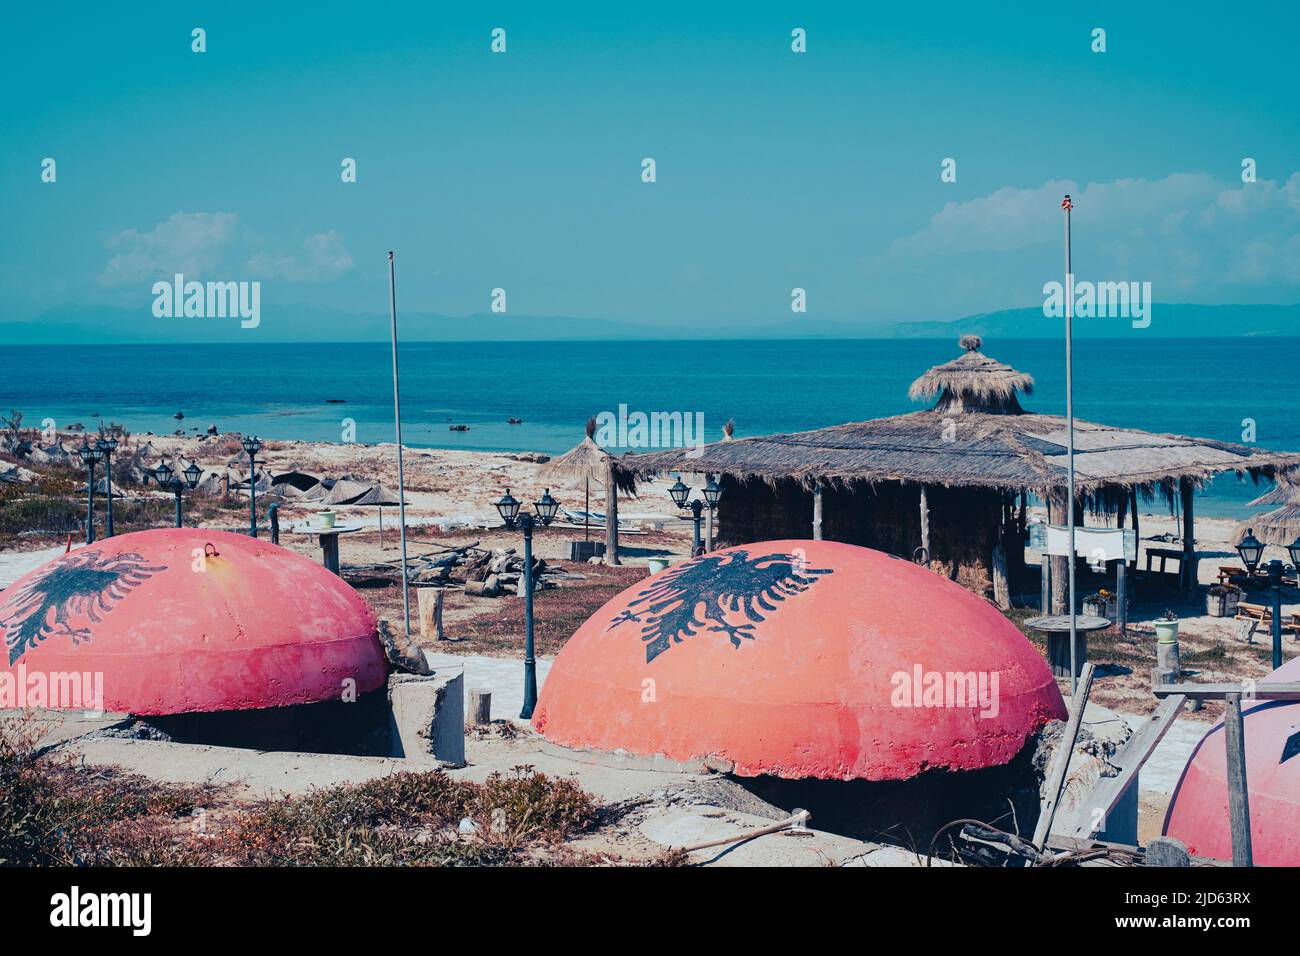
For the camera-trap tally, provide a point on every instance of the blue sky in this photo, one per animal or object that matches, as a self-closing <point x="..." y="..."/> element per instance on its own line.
<point x="522" y="170"/>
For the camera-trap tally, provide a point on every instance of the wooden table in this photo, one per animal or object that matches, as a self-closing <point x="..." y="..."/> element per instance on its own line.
<point x="329" y="542"/>
<point x="1057" y="629"/>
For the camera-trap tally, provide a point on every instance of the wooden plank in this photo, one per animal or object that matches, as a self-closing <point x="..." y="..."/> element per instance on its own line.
<point x="1093" y="809"/>
<point x="1238" y="801"/>
<point x="1061" y="759"/>
<point x="1263" y="690"/>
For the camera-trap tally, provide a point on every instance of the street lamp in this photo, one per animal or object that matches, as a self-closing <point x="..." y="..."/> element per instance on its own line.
<point x="108" y="445"/>
<point x="545" y="508"/>
<point x="252" y="445"/>
<point x="679" y="492"/>
<point x="1251" y="550"/>
<point x="90" y="456"/>
<point x="168" y="480"/>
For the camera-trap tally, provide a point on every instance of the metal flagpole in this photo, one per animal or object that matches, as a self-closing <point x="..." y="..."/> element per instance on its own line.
<point x="1066" y="205"/>
<point x="401" y="476"/>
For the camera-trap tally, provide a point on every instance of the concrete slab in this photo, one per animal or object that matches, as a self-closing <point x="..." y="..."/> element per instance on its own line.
<point x="263" y="774"/>
<point x="682" y="826"/>
<point x="503" y="676"/>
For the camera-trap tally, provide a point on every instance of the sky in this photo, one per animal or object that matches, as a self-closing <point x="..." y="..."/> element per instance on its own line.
<point x="523" y="170"/>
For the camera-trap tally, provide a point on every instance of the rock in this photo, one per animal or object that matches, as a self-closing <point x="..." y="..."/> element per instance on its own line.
<point x="467" y="827"/>
<point x="212" y="429"/>
<point x="401" y="651"/>
<point x="178" y="416"/>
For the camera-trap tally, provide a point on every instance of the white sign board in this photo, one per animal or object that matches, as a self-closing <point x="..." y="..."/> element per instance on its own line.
<point x="1096" y="544"/>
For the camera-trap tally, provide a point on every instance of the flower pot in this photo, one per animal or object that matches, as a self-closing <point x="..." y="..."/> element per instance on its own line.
<point x="1166" y="630"/>
<point x="1096" y="607"/>
<point x="656" y="565"/>
<point x="1222" y="605"/>
<point x="327" y="518"/>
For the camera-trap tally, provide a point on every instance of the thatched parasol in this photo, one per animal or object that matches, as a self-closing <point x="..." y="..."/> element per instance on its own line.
<point x="1283" y="493"/>
<point x="973" y="383"/>
<point x="1281" y="526"/>
<point x="586" y="461"/>
<point x="379" y="496"/>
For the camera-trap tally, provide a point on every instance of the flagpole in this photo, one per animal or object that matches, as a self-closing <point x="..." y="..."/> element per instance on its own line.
<point x="1067" y="205"/>
<point x="401" y="476"/>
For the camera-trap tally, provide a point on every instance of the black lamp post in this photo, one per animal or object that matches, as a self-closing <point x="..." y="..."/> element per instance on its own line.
<point x="252" y="445"/>
<point x="168" y="480"/>
<point x="90" y="456"/>
<point x="1251" y="550"/>
<point x="108" y="445"/>
<point x="680" y="492"/>
<point x="546" y="506"/>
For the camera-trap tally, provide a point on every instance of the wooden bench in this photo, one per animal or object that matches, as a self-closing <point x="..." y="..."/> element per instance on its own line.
<point x="1264" y="615"/>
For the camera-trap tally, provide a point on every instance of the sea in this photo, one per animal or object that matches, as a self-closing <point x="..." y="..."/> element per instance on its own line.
<point x="1232" y="389"/>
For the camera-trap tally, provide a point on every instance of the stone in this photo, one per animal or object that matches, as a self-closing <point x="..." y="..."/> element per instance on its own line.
<point x="401" y="651"/>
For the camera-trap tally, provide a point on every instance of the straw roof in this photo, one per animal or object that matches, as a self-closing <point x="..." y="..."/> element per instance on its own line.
<point x="586" y="461"/>
<point x="346" y="492"/>
<point x="973" y="383"/>
<point x="1280" y="526"/>
<point x="1283" y="493"/>
<point x="377" y="495"/>
<point x="954" y="444"/>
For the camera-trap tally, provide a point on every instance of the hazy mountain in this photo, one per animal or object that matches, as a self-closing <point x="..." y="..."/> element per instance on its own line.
<point x="300" y="323"/>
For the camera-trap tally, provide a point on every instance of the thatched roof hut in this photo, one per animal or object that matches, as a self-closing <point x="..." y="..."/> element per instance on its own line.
<point x="963" y="461"/>
<point x="1280" y="527"/>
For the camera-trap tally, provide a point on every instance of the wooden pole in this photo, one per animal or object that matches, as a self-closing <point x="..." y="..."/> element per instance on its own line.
<point x="925" y="523"/>
<point x="1188" y="563"/>
<point x="1060" y="563"/>
<point x="1137" y="531"/>
<point x="611" y="516"/>
<point x="1121" y="593"/>
<point x="1238" y="802"/>
<point x="817" y="510"/>
<point x="1001" y="587"/>
<point x="1061" y="759"/>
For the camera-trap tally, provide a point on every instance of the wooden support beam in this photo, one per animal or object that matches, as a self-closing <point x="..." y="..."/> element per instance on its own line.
<point x="1264" y="690"/>
<point x="611" y="516"/>
<point x="1187" y="566"/>
<point x="817" y="510"/>
<point x="1238" y="802"/>
<point x="925" y="522"/>
<point x="1137" y="531"/>
<point x="1121" y="594"/>
<point x="1001" y="587"/>
<point x="1061" y="759"/>
<point x="1092" y="810"/>
<point x="1060" y="567"/>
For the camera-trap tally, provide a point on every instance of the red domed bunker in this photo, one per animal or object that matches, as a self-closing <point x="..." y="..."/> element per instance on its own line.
<point x="190" y="620"/>
<point x="1198" y="810"/>
<point x="801" y="659"/>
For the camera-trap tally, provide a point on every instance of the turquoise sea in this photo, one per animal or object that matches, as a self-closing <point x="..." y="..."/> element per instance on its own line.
<point x="1203" y="387"/>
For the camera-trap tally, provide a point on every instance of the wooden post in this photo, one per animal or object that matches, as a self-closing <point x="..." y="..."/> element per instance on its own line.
<point x="1234" y="738"/>
<point x="1166" y="851"/>
<point x="1060" y="565"/>
<point x="1061" y="758"/>
<point x="478" y="711"/>
<point x="1188" y="563"/>
<point x="1045" y="602"/>
<point x="925" y="523"/>
<point x="1121" y="593"/>
<point x="1001" y="588"/>
<point x="611" y="516"/>
<point x="817" y="510"/>
<point x="1137" y="531"/>
<point x="431" y="600"/>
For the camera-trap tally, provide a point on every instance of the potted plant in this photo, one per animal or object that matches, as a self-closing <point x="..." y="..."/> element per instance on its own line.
<point x="1101" y="604"/>
<point x="1221" y="600"/>
<point x="1167" y="628"/>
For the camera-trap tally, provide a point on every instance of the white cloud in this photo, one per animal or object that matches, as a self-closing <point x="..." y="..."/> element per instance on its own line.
<point x="1187" y="232"/>
<point x="323" y="257"/>
<point x="189" y="242"/>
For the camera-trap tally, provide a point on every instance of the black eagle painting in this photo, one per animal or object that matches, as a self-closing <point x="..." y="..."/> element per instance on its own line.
<point x="700" y="593"/>
<point x="84" y="583"/>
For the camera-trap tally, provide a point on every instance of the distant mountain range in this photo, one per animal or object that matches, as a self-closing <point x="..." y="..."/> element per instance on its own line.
<point x="104" y="325"/>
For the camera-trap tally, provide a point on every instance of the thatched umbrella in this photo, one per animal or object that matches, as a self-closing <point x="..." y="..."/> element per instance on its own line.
<point x="1283" y="493"/>
<point x="379" y="496"/>
<point x="973" y="383"/>
<point x="587" y="461"/>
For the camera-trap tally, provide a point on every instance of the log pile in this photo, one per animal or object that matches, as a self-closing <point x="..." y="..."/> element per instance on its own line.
<point x="484" y="572"/>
